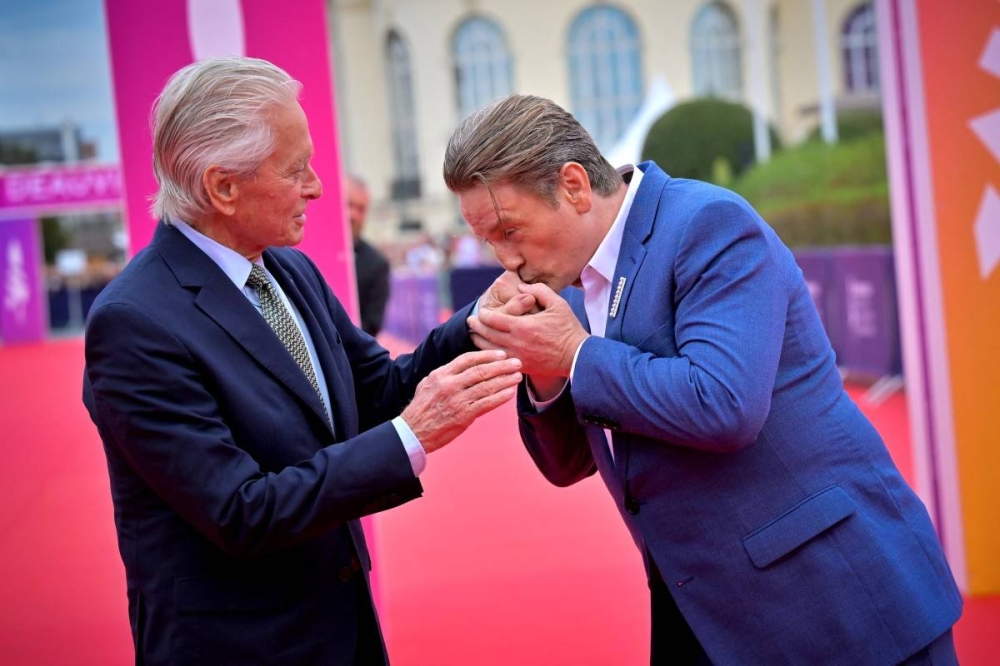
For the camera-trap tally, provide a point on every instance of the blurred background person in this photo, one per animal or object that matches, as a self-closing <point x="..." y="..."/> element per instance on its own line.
<point x="370" y="266"/>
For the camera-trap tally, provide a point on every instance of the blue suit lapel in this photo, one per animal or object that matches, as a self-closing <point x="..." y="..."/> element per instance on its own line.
<point x="325" y="339"/>
<point x="222" y="301"/>
<point x="638" y="228"/>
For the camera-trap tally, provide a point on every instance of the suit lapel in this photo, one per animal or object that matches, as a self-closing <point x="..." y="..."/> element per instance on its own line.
<point x="325" y="339"/>
<point x="222" y="301"/>
<point x="638" y="227"/>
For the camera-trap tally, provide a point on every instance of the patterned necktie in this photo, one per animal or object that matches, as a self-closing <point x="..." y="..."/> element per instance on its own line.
<point x="280" y="320"/>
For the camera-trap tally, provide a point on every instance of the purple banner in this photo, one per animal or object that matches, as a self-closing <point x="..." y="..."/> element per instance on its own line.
<point x="22" y="304"/>
<point x="817" y="269"/>
<point x="60" y="187"/>
<point x="414" y="306"/>
<point x="864" y="279"/>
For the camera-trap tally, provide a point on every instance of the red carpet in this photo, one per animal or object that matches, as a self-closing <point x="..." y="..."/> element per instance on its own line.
<point x="492" y="566"/>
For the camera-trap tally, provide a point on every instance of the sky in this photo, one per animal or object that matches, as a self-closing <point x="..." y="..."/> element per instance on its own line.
<point x="54" y="67"/>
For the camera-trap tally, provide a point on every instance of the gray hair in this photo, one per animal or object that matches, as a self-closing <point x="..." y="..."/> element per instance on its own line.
<point x="524" y="140"/>
<point x="213" y="112"/>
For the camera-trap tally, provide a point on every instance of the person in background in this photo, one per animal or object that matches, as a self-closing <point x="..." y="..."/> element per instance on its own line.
<point x="247" y="423"/>
<point x="670" y="343"/>
<point x="371" y="268"/>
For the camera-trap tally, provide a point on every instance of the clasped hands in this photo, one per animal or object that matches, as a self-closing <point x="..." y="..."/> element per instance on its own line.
<point x="532" y="323"/>
<point x="520" y="328"/>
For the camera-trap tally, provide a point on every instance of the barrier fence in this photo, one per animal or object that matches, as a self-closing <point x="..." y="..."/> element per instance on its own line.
<point x="854" y="290"/>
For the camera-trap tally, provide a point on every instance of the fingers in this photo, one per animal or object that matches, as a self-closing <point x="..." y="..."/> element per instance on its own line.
<point x="483" y="343"/>
<point x="495" y="319"/>
<point x="450" y="398"/>
<point x="542" y="294"/>
<point x="471" y="359"/>
<point x="503" y="289"/>
<point x="519" y="305"/>
<point x="496" y="373"/>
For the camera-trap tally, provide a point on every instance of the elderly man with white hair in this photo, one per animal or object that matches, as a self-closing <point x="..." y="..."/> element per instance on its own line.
<point x="247" y="423"/>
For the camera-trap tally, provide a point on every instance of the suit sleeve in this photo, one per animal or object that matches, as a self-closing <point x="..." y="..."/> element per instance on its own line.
<point x="730" y="306"/>
<point x="384" y="386"/>
<point x="555" y="440"/>
<point x="155" y="408"/>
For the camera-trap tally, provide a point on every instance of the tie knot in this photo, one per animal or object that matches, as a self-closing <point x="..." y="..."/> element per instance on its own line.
<point x="258" y="278"/>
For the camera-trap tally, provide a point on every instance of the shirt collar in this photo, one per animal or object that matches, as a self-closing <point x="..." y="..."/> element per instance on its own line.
<point x="233" y="264"/>
<point x="605" y="259"/>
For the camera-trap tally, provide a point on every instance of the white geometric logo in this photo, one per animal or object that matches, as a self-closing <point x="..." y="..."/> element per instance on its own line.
<point x="987" y="128"/>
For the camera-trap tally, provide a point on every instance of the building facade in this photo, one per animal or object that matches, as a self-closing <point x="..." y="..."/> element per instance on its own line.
<point x="408" y="71"/>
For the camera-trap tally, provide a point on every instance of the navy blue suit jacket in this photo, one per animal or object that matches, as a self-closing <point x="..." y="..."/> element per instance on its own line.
<point x="236" y="513"/>
<point x="768" y="502"/>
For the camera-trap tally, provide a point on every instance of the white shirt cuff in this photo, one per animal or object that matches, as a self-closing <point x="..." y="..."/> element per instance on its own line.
<point x="576" y="355"/>
<point x="418" y="457"/>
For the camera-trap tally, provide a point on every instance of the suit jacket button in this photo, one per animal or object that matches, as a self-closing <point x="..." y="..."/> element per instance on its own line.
<point x="632" y="505"/>
<point x="345" y="574"/>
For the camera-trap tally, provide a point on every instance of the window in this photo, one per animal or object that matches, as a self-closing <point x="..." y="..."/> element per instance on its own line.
<point x="715" y="52"/>
<point x="402" y="111"/>
<point x="605" y="73"/>
<point x="859" y="39"/>
<point x="482" y="64"/>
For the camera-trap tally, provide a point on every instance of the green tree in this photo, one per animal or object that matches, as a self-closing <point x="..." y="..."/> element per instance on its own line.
<point x="708" y="139"/>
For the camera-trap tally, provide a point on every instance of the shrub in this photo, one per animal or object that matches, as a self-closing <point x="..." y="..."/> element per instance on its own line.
<point x="854" y="124"/>
<point x="815" y="194"/>
<point x="692" y="140"/>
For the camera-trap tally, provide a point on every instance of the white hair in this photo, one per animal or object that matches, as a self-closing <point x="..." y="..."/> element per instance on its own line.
<point x="213" y="112"/>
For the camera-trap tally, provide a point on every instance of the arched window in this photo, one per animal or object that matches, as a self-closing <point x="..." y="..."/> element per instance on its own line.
<point x="605" y="72"/>
<point x="482" y="64"/>
<point x="402" y="114"/>
<point x="859" y="44"/>
<point x="715" y="52"/>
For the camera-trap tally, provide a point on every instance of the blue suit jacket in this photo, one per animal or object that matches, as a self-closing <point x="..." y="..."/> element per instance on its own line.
<point x="769" y="503"/>
<point x="235" y="515"/>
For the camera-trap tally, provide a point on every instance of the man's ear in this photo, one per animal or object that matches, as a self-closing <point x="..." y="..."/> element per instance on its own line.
<point x="574" y="186"/>
<point x="222" y="189"/>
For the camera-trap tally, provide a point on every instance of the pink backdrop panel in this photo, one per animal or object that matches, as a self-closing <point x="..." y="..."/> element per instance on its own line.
<point x="149" y="41"/>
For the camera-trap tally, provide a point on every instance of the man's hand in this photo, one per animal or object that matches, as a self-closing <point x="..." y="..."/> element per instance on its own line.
<point x="450" y="398"/>
<point x="504" y="295"/>
<point x="545" y="342"/>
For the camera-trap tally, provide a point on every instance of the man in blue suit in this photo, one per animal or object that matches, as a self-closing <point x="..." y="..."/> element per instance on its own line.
<point x="688" y="367"/>
<point x="248" y="424"/>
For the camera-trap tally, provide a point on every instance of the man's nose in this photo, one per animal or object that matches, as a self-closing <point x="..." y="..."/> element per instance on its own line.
<point x="313" y="188"/>
<point x="508" y="258"/>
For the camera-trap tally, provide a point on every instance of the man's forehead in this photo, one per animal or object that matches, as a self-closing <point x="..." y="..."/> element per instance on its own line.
<point x="481" y="210"/>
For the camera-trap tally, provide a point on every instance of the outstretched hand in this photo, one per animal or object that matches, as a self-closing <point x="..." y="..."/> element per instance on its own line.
<point x="451" y="397"/>
<point x="545" y="342"/>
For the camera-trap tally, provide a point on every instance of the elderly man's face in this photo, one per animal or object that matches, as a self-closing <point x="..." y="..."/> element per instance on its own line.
<point x="270" y="208"/>
<point x="530" y="237"/>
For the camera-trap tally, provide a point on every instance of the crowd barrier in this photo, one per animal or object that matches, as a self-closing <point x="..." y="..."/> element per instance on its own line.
<point x="414" y="306"/>
<point x="854" y="289"/>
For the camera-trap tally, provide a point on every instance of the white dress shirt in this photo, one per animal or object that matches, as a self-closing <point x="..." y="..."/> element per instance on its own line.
<point x="597" y="276"/>
<point x="237" y="268"/>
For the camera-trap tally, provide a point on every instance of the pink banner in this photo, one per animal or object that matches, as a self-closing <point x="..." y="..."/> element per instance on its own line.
<point x="60" y="187"/>
<point x="151" y="40"/>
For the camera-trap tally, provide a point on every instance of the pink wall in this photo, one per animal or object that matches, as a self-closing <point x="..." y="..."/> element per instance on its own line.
<point x="149" y="41"/>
